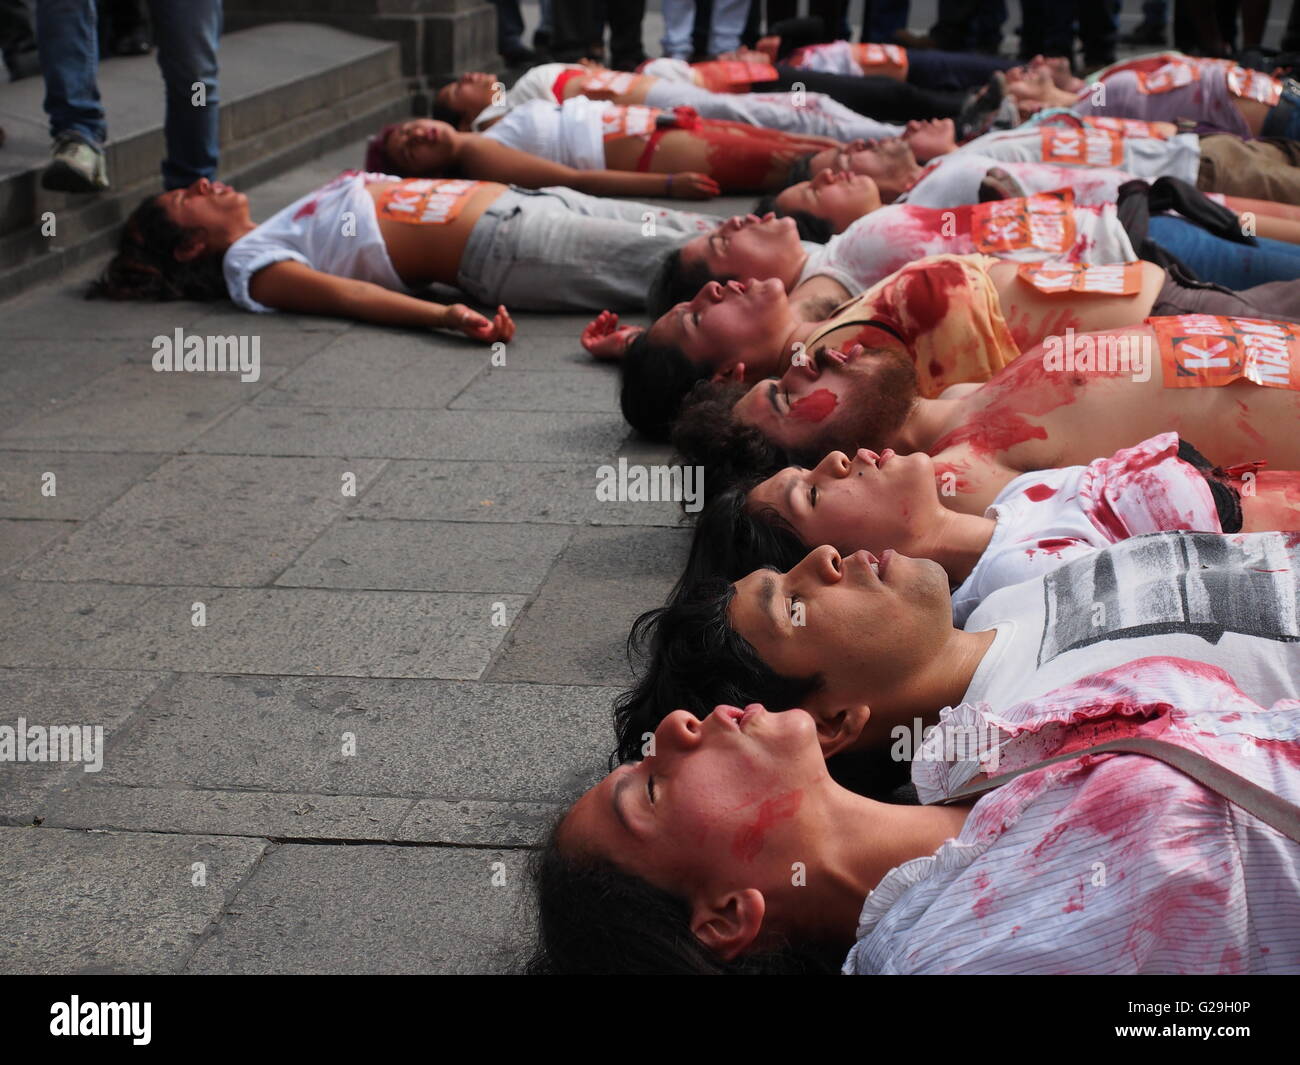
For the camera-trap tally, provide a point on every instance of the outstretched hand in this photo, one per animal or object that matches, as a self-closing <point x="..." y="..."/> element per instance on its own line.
<point x="688" y="185"/>
<point x="604" y="338"/>
<point x="477" y="327"/>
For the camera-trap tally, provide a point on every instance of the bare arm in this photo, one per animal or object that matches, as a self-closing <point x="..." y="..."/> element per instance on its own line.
<point x="489" y="160"/>
<point x="293" y="286"/>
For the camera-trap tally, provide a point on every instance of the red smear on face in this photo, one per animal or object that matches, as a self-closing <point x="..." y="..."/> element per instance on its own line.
<point x="750" y="839"/>
<point x="815" y="406"/>
<point x="1038" y="492"/>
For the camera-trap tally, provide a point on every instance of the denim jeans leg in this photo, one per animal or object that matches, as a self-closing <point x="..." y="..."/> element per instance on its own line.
<point x="679" y="18"/>
<point x="187" y="33"/>
<point x="68" y="38"/>
<point x="1225" y="262"/>
<point x="727" y="24"/>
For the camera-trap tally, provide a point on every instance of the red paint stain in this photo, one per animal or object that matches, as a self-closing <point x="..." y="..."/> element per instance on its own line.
<point x="1038" y="492"/>
<point x="749" y="840"/>
<point x="815" y="406"/>
<point x="1055" y="547"/>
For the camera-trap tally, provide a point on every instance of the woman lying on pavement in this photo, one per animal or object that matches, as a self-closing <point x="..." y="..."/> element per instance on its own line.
<point x="959" y="317"/>
<point x="1037" y="522"/>
<point x="476" y="101"/>
<point x="682" y="862"/>
<point x="358" y="246"/>
<point x="638" y="150"/>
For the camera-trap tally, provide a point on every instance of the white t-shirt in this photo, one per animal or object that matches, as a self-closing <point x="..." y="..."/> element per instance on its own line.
<point x="1113" y="864"/>
<point x="955" y="179"/>
<point x="1145" y="157"/>
<point x="1230" y="601"/>
<point x="536" y="84"/>
<point x="889" y="238"/>
<point x="833" y="57"/>
<point x="570" y="134"/>
<point x="1049" y="517"/>
<point x="311" y="230"/>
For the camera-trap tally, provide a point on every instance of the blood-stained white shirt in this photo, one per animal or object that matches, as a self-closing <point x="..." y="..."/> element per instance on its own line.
<point x="571" y="133"/>
<point x="1025" y="229"/>
<point x="1145" y="157"/>
<point x="955" y="179"/>
<point x="1104" y="864"/>
<point x="1230" y="600"/>
<point x="1048" y="517"/>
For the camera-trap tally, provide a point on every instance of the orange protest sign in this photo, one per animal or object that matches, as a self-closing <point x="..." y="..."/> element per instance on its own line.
<point x="1044" y="222"/>
<point x="424" y="201"/>
<point x="1207" y="351"/>
<point x="1086" y="146"/>
<point x="632" y="121"/>
<point x="1173" y="75"/>
<point x="1117" y="279"/>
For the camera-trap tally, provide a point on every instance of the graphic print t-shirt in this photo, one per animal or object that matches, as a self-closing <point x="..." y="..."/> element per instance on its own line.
<point x="1231" y="601"/>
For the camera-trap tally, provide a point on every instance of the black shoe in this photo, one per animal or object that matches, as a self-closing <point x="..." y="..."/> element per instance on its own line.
<point x="519" y="56"/>
<point x="980" y="107"/>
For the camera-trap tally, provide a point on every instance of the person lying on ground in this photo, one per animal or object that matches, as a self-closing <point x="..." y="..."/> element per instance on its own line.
<point x="867" y="644"/>
<point x="636" y="150"/>
<point x="1063" y="403"/>
<point x="360" y="245"/>
<point x="682" y="862"/>
<point x="1037" y="521"/>
<point x="958" y="318"/>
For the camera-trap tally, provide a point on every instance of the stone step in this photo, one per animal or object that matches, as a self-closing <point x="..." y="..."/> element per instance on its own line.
<point x="289" y="92"/>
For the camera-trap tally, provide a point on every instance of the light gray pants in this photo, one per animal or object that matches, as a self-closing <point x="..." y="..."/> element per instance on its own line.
<point x="559" y="250"/>
<point x="813" y="113"/>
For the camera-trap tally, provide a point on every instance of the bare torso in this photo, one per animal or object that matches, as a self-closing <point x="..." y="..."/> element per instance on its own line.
<point x="423" y="254"/>
<point x="1029" y="418"/>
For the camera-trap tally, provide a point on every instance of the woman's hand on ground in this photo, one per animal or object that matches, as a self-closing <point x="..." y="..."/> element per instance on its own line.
<point x="478" y="327"/>
<point x="604" y="338"/>
<point x="689" y="185"/>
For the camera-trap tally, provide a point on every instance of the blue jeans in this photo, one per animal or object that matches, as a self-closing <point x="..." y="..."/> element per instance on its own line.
<point x="1283" y="119"/>
<point x="186" y="32"/>
<point x="1235" y="266"/>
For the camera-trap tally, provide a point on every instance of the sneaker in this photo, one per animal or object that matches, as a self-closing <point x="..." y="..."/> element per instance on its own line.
<point x="76" y="167"/>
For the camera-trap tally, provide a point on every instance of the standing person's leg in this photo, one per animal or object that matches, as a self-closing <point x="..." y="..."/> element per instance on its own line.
<point x="18" y="39"/>
<point x="1099" y="30"/>
<point x="625" y="47"/>
<point x="510" y="32"/>
<point x="545" y="31"/>
<point x="952" y="71"/>
<point x="68" y="38"/>
<point x="951" y="33"/>
<point x="881" y="19"/>
<point x="986" y="27"/>
<point x="679" y="18"/>
<point x="188" y="33"/>
<point x="728" y="20"/>
<point x="575" y="29"/>
<point x="1032" y="22"/>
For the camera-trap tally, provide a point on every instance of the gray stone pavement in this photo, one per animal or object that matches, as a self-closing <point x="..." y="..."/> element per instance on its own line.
<point x="394" y="692"/>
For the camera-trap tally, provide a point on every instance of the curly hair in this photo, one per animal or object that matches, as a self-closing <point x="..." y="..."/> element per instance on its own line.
<point x="146" y="268"/>
<point x="707" y="433"/>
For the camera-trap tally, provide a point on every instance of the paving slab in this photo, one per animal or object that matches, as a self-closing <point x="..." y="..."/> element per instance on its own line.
<point x="540" y="390"/>
<point x="44" y="374"/>
<point x="413" y="434"/>
<point x="373" y="909"/>
<point x="20" y="540"/>
<point x="390" y="368"/>
<point x="135" y="408"/>
<point x="108" y="902"/>
<point x="428" y="556"/>
<point x="62" y="697"/>
<point x="576" y="629"/>
<point x="505" y="491"/>
<point x="82" y="485"/>
<point x="277" y="631"/>
<point x="288" y="740"/>
<point x="207" y="519"/>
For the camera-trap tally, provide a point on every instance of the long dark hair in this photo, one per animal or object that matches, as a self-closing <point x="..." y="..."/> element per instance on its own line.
<point x="593" y="918"/>
<point x="731" y="540"/>
<point x="694" y="660"/>
<point x="146" y="268"/>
